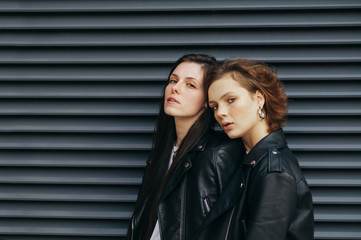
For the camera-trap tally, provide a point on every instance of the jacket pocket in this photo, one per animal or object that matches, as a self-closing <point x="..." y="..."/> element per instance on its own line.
<point x="206" y="205"/>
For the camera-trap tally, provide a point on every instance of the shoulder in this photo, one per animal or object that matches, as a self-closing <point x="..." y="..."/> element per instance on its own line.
<point x="290" y="164"/>
<point x="279" y="162"/>
<point x="222" y="150"/>
<point x="219" y="141"/>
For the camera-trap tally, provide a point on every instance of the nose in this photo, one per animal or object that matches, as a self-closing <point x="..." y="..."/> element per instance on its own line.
<point x="176" y="88"/>
<point x="221" y="111"/>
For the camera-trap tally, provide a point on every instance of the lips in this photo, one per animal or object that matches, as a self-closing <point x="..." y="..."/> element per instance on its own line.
<point x="172" y="100"/>
<point x="227" y="126"/>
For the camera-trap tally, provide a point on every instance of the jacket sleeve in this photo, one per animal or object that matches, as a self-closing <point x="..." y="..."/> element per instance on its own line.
<point x="271" y="206"/>
<point x="228" y="160"/>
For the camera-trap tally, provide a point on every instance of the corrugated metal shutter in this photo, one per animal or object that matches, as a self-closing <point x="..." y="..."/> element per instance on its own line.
<point x="80" y="83"/>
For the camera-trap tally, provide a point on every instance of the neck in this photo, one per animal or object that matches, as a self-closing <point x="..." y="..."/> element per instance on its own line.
<point x="256" y="135"/>
<point x="182" y="127"/>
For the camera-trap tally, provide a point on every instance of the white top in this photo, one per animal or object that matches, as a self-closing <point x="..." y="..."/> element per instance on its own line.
<point x="156" y="233"/>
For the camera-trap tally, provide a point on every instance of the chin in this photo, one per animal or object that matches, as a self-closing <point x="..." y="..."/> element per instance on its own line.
<point x="169" y="111"/>
<point x="173" y="113"/>
<point x="232" y="135"/>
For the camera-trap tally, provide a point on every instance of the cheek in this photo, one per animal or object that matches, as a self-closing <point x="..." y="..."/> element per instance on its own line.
<point x="167" y="90"/>
<point x="238" y="112"/>
<point x="198" y="99"/>
<point x="218" y="120"/>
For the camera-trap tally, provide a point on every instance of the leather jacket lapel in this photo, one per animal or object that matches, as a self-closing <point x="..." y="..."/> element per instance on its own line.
<point x="184" y="166"/>
<point x="176" y="176"/>
<point x="228" y="198"/>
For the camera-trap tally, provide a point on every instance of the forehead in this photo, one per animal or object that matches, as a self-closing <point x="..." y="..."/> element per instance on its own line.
<point x="225" y="82"/>
<point x="189" y="69"/>
<point x="223" y="86"/>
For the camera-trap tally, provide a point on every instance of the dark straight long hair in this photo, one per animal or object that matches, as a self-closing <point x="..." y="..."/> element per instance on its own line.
<point x="165" y="136"/>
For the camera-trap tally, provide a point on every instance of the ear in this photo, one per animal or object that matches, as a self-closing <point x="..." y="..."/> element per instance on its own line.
<point x="259" y="97"/>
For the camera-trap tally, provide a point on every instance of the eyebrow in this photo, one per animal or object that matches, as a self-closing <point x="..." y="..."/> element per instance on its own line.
<point x="223" y="96"/>
<point x="189" y="78"/>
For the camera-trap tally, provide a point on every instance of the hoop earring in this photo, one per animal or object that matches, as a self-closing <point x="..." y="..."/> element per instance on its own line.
<point x="260" y="113"/>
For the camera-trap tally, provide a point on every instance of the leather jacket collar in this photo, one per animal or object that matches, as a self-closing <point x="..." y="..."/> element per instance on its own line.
<point x="185" y="165"/>
<point x="200" y="146"/>
<point x="275" y="140"/>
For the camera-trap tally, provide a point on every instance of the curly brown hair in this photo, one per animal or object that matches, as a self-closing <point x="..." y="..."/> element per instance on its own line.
<point x="257" y="76"/>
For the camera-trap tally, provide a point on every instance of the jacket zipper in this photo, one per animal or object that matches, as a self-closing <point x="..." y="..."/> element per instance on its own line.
<point x="182" y="209"/>
<point x="206" y="204"/>
<point x="229" y="223"/>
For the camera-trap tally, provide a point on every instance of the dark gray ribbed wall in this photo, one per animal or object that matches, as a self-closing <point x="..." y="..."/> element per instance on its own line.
<point x="80" y="82"/>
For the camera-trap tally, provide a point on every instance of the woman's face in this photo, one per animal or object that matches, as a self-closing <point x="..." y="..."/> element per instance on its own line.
<point x="184" y="96"/>
<point x="235" y="108"/>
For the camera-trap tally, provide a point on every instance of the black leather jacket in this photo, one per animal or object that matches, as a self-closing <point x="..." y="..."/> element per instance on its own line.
<point x="194" y="186"/>
<point x="277" y="203"/>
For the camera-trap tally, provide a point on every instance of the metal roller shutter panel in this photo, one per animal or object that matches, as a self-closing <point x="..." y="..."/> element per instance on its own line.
<point x="80" y="83"/>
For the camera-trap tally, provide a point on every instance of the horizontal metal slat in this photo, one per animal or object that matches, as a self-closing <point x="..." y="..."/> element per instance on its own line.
<point x="337" y="235"/>
<point x="81" y="141"/>
<point x="337" y="200"/>
<point x="89" y="176"/>
<point x="325" y="107"/>
<point x="52" y="237"/>
<point x="161" y="20"/>
<point x="150" y="107"/>
<point x="344" y="196"/>
<point x="101" y="124"/>
<point x="38" y="210"/>
<point x="324" y="129"/>
<point x="18" y="90"/>
<point x="317" y="89"/>
<point x="170" y="37"/>
<point x="333" y="178"/>
<point x="108" y="193"/>
<point x="126" y="6"/>
<point x="159" y="72"/>
<point x="318" y="71"/>
<point x="295" y="89"/>
<point x="338" y="213"/>
<point x="80" y="90"/>
<point x="319" y="146"/>
<point x="85" y="72"/>
<point x="72" y="214"/>
<point x="78" y="124"/>
<point x="167" y="55"/>
<point x="323" y="124"/>
<point x="338" y="231"/>
<point x="80" y="107"/>
<point x="73" y="159"/>
<point x="324" y="142"/>
<point x="66" y="227"/>
<point x="329" y="160"/>
<point x="127" y="124"/>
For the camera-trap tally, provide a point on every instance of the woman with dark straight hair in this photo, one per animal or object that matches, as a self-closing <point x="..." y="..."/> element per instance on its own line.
<point x="190" y="164"/>
<point x="269" y="198"/>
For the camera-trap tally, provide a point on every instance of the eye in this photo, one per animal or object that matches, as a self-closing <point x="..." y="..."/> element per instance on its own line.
<point x="231" y="100"/>
<point x="172" y="81"/>
<point x="191" y="85"/>
<point x="215" y="107"/>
